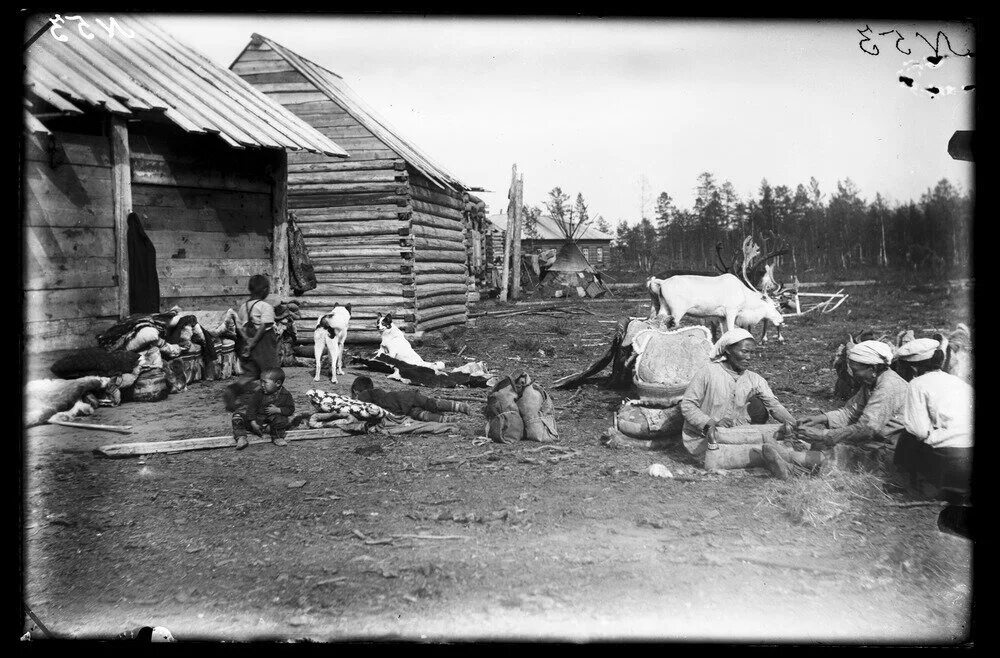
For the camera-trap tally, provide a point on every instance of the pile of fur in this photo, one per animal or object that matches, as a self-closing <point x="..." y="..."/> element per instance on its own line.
<point x="44" y="398"/>
<point x="94" y="361"/>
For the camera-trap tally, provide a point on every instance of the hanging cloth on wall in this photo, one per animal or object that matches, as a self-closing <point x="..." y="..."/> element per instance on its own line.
<point x="301" y="275"/>
<point x="143" y="282"/>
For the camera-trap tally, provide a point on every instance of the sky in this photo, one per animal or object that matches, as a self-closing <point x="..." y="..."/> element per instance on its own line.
<point x="621" y="110"/>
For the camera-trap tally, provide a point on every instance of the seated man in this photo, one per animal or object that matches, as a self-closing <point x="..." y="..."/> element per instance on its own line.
<point x="872" y="418"/>
<point x="719" y="394"/>
<point x="937" y="419"/>
<point x="409" y="402"/>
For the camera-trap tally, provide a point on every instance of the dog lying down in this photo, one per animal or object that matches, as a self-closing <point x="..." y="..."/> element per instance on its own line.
<point x="394" y="344"/>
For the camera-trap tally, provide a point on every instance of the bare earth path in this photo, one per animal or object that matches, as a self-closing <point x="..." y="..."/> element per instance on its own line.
<point x="227" y="545"/>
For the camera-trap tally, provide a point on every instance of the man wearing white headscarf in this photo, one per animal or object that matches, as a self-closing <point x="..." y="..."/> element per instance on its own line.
<point x="937" y="417"/>
<point x="719" y="393"/>
<point x="872" y="418"/>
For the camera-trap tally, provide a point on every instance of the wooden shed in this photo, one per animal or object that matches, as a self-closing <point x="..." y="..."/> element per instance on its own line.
<point x="385" y="229"/>
<point x="133" y="120"/>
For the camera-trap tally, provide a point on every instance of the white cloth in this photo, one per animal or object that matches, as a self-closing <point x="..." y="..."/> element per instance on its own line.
<point x="260" y="313"/>
<point x="870" y="352"/>
<point x="938" y="410"/>
<point x="920" y="349"/>
<point x="729" y="338"/>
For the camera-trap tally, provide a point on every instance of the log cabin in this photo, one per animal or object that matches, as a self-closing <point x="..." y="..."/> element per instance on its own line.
<point x="387" y="229"/>
<point x="134" y="120"/>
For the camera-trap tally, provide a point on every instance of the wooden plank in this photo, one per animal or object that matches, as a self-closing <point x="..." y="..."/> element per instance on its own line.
<point x="122" y="450"/>
<point x="446" y="199"/>
<point x="70" y="303"/>
<point x="68" y="187"/>
<point x="425" y="267"/>
<point x="440" y="323"/>
<point x="321" y="106"/>
<point x="384" y="252"/>
<point x="260" y="55"/>
<point x="230" y="221"/>
<point x="291" y="99"/>
<point x="332" y="266"/>
<point x="45" y="242"/>
<point x="359" y="143"/>
<point x="207" y="268"/>
<point x="448" y="234"/>
<point x="260" y="78"/>
<point x="300" y="200"/>
<point x="71" y="149"/>
<point x="363" y="289"/>
<point x="355" y="155"/>
<point x="55" y="273"/>
<point x="280" y="281"/>
<point x="441" y="300"/>
<point x="342" y="177"/>
<point x="440" y="277"/>
<point x="446" y="245"/>
<point x="451" y="310"/>
<point x="215" y="303"/>
<point x="160" y="172"/>
<point x="346" y="165"/>
<point x="310" y="302"/>
<point x="190" y="197"/>
<point x="333" y="217"/>
<point x="442" y="212"/>
<point x="392" y="187"/>
<point x="440" y="256"/>
<point x="388" y="227"/>
<point x="64" y="334"/>
<point x="250" y="67"/>
<point x="190" y="244"/>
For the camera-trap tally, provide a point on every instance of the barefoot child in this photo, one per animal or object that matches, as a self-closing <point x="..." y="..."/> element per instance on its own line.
<point x="406" y="403"/>
<point x="268" y="409"/>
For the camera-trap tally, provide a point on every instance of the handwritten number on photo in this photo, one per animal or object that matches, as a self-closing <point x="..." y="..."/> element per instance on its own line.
<point x="861" y="43"/>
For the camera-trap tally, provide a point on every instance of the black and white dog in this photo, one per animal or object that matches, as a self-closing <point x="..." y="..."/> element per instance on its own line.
<point x="394" y="344"/>
<point x="330" y="334"/>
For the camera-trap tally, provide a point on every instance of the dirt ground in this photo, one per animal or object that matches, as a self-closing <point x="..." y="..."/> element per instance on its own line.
<point x="309" y="541"/>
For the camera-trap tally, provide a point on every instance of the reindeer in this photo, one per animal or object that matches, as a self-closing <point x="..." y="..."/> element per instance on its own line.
<point x="758" y="275"/>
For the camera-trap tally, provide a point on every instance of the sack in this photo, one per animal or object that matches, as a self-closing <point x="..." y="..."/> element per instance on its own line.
<point x="537" y="411"/>
<point x="667" y="360"/>
<point x="503" y="418"/>
<point x="649" y="423"/>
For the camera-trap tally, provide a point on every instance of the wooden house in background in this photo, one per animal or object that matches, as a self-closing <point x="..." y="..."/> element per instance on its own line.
<point x="142" y="122"/>
<point x="386" y="228"/>
<point x="594" y="244"/>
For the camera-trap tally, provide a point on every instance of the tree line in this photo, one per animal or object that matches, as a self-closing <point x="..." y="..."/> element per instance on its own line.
<point x="825" y="232"/>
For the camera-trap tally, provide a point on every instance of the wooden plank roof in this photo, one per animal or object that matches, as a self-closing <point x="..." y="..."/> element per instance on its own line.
<point x="153" y="72"/>
<point x="337" y="90"/>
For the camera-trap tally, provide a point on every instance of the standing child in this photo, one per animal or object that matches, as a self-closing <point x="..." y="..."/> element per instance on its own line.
<point x="406" y="403"/>
<point x="268" y="409"/>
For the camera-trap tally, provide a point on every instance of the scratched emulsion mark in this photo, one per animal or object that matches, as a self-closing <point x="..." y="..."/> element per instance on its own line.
<point x="934" y="59"/>
<point x="181" y="253"/>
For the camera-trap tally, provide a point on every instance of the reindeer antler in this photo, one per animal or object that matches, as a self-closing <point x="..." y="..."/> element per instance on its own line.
<point x="718" y="254"/>
<point x="750" y="251"/>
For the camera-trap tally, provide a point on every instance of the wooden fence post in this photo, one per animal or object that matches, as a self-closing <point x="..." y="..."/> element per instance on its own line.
<point x="508" y="235"/>
<point x="121" y="202"/>
<point x="279" y="245"/>
<point x="516" y="240"/>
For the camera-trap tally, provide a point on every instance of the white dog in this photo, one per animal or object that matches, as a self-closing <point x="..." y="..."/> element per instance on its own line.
<point x="330" y="334"/>
<point x="394" y="344"/>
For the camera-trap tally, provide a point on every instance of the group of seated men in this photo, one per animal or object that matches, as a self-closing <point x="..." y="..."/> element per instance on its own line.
<point x="925" y="424"/>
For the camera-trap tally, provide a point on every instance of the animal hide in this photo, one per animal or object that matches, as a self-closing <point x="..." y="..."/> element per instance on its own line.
<point x="46" y="397"/>
<point x="301" y="274"/>
<point x="94" y="361"/>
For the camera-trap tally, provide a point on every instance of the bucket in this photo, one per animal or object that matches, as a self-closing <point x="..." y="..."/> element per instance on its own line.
<point x="150" y="386"/>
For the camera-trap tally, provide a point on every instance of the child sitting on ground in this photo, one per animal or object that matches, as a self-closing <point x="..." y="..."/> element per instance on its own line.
<point x="407" y="403"/>
<point x="269" y="409"/>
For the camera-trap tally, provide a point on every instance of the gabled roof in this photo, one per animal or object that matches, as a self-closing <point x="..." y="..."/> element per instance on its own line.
<point x="548" y="229"/>
<point x="336" y="89"/>
<point x="151" y="72"/>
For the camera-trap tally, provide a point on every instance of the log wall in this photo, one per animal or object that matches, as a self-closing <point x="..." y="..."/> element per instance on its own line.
<point x="374" y="227"/>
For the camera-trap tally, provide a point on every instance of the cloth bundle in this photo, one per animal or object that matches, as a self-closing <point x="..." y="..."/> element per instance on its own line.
<point x="331" y="406"/>
<point x="123" y="332"/>
<point x="94" y="361"/>
<point x="517" y="408"/>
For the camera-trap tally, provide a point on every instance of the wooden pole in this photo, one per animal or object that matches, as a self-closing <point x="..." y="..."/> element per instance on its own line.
<point x="508" y="235"/>
<point x="279" y="246"/>
<point x="121" y="201"/>
<point x="516" y="240"/>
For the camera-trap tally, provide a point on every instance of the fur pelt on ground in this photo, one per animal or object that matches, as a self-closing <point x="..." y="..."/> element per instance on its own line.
<point x="46" y="397"/>
<point x="97" y="361"/>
